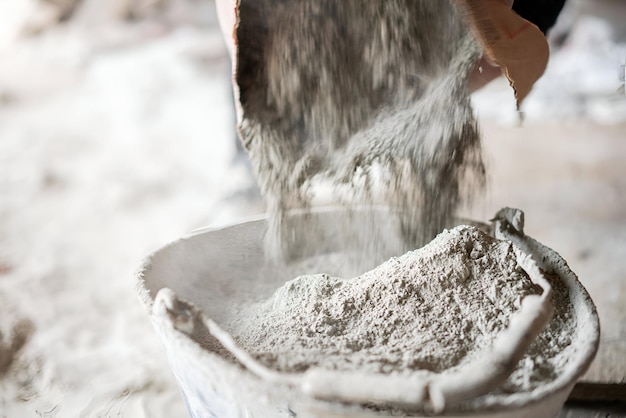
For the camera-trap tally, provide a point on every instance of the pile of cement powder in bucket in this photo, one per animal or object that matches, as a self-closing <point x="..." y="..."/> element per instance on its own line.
<point x="430" y="310"/>
<point x="370" y="98"/>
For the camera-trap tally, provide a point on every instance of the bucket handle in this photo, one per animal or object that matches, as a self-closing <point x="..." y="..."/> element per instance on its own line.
<point x="413" y="390"/>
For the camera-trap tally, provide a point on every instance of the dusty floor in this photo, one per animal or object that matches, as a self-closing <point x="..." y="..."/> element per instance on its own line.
<point x="115" y="142"/>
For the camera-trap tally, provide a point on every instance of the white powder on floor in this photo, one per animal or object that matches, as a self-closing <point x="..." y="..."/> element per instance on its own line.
<point x="429" y="310"/>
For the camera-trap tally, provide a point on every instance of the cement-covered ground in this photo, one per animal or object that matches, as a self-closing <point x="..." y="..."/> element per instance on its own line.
<point x="118" y="138"/>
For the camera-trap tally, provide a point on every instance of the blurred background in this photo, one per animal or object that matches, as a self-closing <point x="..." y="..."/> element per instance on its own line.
<point x="117" y="135"/>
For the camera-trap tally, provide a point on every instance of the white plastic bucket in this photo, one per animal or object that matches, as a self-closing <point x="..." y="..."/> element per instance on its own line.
<point x="198" y="280"/>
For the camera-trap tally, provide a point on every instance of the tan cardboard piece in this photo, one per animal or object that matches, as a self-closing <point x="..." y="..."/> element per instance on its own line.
<point x="510" y="41"/>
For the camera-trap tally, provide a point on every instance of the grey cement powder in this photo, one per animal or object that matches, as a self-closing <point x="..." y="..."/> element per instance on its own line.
<point x="430" y="310"/>
<point x="370" y="98"/>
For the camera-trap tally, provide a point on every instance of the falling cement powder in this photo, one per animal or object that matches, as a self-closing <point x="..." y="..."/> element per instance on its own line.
<point x="429" y="310"/>
<point x="370" y="98"/>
